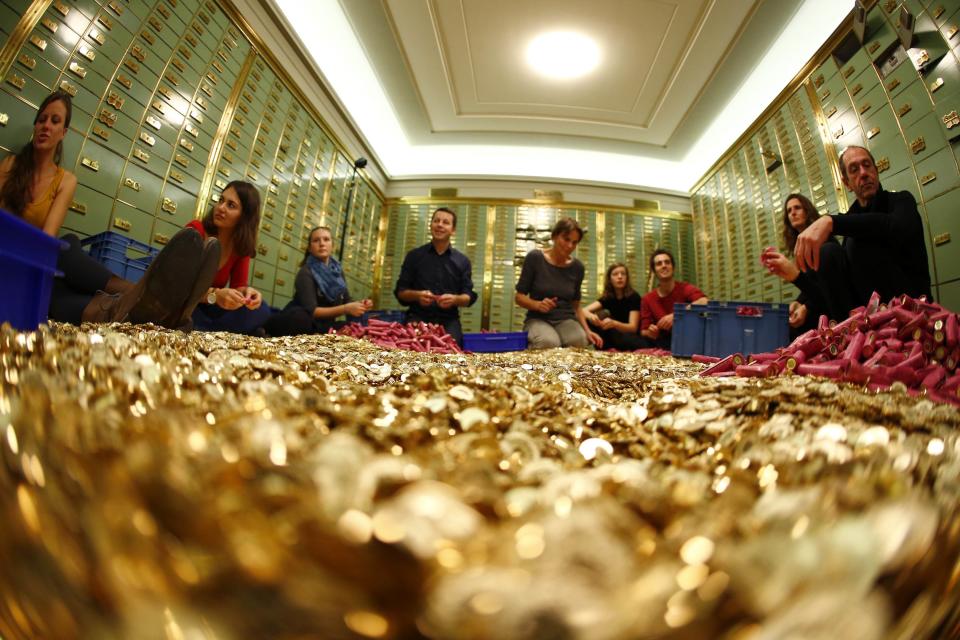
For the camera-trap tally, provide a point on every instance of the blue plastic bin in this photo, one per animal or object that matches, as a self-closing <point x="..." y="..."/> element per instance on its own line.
<point x="28" y="262"/>
<point x="124" y="256"/>
<point x="721" y="328"/>
<point x="495" y="342"/>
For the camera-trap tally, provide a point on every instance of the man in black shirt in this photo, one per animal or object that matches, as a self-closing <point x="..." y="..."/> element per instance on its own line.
<point x="882" y="235"/>
<point x="435" y="278"/>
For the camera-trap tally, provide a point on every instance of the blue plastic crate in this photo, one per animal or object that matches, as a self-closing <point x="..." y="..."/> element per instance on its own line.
<point x="495" y="342"/>
<point x="28" y="262"/>
<point x="689" y="329"/>
<point x="721" y="328"/>
<point x="124" y="256"/>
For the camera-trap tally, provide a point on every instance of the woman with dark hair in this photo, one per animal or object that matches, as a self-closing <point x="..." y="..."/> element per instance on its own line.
<point x="549" y="289"/>
<point x="321" y="293"/>
<point x="34" y="185"/>
<point x="230" y="303"/>
<point x="824" y="291"/>
<point x="35" y="188"/>
<point x="617" y="313"/>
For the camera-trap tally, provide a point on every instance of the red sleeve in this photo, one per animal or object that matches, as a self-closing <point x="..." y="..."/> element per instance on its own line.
<point x="240" y="274"/>
<point x="646" y="313"/>
<point x="196" y="224"/>
<point x="691" y="292"/>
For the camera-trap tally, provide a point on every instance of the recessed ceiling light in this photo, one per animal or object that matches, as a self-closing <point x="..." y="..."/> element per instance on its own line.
<point x="563" y="55"/>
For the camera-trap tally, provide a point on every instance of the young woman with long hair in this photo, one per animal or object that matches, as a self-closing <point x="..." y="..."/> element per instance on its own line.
<point x="320" y="292"/>
<point x="34" y="187"/>
<point x="230" y="303"/>
<point x="616" y="315"/>
<point x="825" y="291"/>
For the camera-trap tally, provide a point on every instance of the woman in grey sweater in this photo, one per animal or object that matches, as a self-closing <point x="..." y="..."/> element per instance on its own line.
<point x="321" y="294"/>
<point x="549" y="289"/>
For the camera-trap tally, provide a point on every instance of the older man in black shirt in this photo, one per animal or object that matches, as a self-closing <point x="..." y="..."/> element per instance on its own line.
<point x="882" y="235"/>
<point x="435" y="278"/>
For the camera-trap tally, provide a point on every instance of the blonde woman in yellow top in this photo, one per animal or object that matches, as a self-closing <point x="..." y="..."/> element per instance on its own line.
<point x="34" y="187"/>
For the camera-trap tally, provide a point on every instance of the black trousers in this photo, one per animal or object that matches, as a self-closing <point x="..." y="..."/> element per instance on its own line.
<point x="82" y="278"/>
<point x="829" y="289"/>
<point x="613" y="339"/>
<point x="296" y="321"/>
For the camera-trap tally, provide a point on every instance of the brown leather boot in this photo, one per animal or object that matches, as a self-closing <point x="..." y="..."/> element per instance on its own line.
<point x="117" y="284"/>
<point x="105" y="307"/>
<point x="160" y="293"/>
<point x="209" y="263"/>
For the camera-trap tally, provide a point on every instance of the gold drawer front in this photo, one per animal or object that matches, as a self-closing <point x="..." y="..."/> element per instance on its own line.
<point x="267" y="249"/>
<point x="89" y="212"/>
<point x="131" y="222"/>
<point x="948" y="115"/>
<point x="880" y="34"/>
<point x="19" y="84"/>
<point x="905" y="180"/>
<point x="944" y="229"/>
<point x="824" y="72"/>
<point x="99" y="168"/>
<point x="18" y="122"/>
<point x="949" y="295"/>
<point x="176" y="205"/>
<point x="943" y="80"/>
<point x="64" y="31"/>
<point x="126" y="15"/>
<point x="867" y="102"/>
<point x="283" y="284"/>
<point x="937" y="174"/>
<point x="880" y="126"/>
<point x="857" y="65"/>
<point x="912" y="103"/>
<point x="162" y="232"/>
<point x="925" y="137"/>
<point x="900" y="78"/>
<point x="151" y="153"/>
<point x="33" y="66"/>
<point x="141" y="189"/>
<point x="262" y="275"/>
<point x="185" y="181"/>
<point x="842" y="127"/>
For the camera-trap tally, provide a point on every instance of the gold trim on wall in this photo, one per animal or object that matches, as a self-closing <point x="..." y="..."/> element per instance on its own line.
<point x="818" y="58"/>
<point x="829" y="148"/>
<point x="601" y="221"/>
<point x="280" y="70"/>
<point x="488" y="267"/>
<point x="672" y="215"/>
<point x="331" y="174"/>
<point x="28" y="21"/>
<point x="223" y="129"/>
<point x="379" y="254"/>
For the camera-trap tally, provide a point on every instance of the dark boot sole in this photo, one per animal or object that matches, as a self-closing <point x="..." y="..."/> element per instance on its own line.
<point x="169" y="280"/>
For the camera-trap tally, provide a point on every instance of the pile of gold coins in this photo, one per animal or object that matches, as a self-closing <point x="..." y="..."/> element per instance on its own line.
<point x="162" y="485"/>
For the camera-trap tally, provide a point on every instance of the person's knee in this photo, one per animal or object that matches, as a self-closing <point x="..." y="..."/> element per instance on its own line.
<point x="575" y="339"/>
<point x="572" y="334"/>
<point x="72" y="240"/>
<point x="831" y="254"/>
<point x="543" y="338"/>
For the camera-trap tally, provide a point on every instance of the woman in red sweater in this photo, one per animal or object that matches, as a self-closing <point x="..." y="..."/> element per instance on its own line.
<point x="230" y="303"/>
